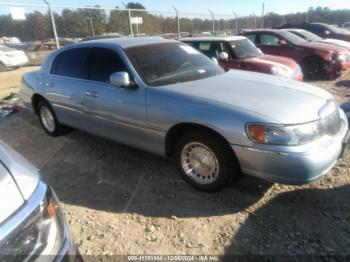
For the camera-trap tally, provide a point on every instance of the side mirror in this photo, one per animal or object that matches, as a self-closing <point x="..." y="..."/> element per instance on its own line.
<point x="282" y="42"/>
<point x="223" y="56"/>
<point x="120" y="79"/>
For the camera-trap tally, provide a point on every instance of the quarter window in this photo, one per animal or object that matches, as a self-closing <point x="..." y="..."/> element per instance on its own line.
<point x="103" y="63"/>
<point x="72" y="63"/>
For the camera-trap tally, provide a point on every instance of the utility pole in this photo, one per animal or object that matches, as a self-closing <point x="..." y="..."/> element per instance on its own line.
<point x="236" y="21"/>
<point x="178" y="23"/>
<point x="129" y="18"/>
<point x="262" y="15"/>
<point x="253" y="14"/>
<point x="213" y="19"/>
<point x="53" y="24"/>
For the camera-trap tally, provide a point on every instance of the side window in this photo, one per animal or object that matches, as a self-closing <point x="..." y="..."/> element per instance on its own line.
<point x="251" y="37"/>
<point x="267" y="39"/>
<point x="210" y="49"/>
<point x="72" y="63"/>
<point x="103" y="63"/>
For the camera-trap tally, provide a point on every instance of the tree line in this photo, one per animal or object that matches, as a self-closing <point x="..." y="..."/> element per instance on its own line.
<point x="85" y="22"/>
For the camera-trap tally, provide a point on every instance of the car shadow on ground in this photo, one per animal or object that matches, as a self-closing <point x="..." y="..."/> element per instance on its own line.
<point x="308" y="221"/>
<point x="102" y="175"/>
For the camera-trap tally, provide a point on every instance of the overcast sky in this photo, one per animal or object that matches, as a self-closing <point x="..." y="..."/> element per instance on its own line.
<point x="242" y="7"/>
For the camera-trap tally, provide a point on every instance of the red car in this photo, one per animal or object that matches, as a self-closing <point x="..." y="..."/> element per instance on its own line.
<point x="238" y="52"/>
<point x="317" y="60"/>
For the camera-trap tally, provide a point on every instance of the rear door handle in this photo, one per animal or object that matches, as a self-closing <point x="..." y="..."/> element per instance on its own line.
<point x="50" y="85"/>
<point x="91" y="93"/>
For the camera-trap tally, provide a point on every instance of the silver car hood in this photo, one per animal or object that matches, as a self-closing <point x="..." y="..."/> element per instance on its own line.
<point x="279" y="99"/>
<point x="18" y="180"/>
<point x="10" y="195"/>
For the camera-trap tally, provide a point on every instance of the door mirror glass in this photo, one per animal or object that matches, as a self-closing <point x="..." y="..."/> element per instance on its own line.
<point x="223" y="56"/>
<point x="327" y="32"/>
<point x="282" y="42"/>
<point x="120" y="79"/>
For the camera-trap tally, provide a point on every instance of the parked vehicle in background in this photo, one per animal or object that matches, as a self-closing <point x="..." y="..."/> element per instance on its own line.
<point x="37" y="53"/>
<point x="165" y="97"/>
<point x="317" y="60"/>
<point x="31" y="220"/>
<point x="346" y="25"/>
<point x="11" y="58"/>
<point x="238" y="52"/>
<point x="322" y="30"/>
<point x="311" y="37"/>
<point x="103" y="36"/>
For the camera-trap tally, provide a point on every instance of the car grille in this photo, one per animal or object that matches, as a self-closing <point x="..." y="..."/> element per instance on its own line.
<point x="332" y="123"/>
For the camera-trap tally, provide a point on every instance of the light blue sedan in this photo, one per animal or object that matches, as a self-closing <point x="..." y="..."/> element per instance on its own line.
<point x="165" y="97"/>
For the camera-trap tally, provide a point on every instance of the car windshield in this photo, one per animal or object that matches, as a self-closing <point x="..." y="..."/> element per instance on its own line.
<point x="292" y="38"/>
<point x="244" y="48"/>
<point x="337" y="30"/>
<point x="169" y="63"/>
<point x="309" y="36"/>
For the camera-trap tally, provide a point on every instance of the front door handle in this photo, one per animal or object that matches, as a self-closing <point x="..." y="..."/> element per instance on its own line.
<point x="50" y="85"/>
<point x="91" y="93"/>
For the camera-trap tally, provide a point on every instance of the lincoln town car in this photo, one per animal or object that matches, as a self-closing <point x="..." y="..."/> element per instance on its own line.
<point x="167" y="98"/>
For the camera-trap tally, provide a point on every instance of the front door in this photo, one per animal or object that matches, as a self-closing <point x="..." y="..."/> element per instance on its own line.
<point x="114" y="112"/>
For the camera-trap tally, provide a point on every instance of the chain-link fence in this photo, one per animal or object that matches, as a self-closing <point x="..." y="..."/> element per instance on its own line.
<point x="73" y="23"/>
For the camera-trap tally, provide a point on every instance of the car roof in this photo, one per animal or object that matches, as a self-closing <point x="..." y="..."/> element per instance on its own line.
<point x="213" y="38"/>
<point x="263" y="30"/>
<point x="127" y="42"/>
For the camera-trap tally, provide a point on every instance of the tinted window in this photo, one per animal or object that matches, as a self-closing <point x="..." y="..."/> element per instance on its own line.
<point x="251" y="38"/>
<point x="103" y="63"/>
<point x="72" y="63"/>
<point x="267" y="39"/>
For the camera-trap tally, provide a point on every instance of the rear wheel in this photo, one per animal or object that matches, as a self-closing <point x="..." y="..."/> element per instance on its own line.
<point x="48" y="120"/>
<point x="2" y="67"/>
<point x="314" y="68"/>
<point x="205" y="161"/>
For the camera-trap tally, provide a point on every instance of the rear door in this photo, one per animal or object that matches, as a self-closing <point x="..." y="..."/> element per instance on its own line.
<point x="66" y="84"/>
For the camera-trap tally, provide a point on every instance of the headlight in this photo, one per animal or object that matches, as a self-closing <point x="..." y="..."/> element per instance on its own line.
<point x="41" y="233"/>
<point x="281" y="71"/>
<point x="288" y="135"/>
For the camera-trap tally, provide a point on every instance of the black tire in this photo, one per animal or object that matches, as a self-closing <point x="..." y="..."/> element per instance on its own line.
<point x="58" y="129"/>
<point x="2" y="67"/>
<point x="314" y="68"/>
<point x="227" y="164"/>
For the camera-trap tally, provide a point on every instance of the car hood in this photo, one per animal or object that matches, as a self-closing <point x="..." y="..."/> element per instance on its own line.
<point x="337" y="42"/>
<point x="278" y="99"/>
<point x="323" y="46"/>
<point x="272" y="60"/>
<point x="24" y="173"/>
<point x="10" y="193"/>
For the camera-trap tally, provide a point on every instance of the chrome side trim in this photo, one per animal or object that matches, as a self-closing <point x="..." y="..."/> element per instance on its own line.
<point x="68" y="108"/>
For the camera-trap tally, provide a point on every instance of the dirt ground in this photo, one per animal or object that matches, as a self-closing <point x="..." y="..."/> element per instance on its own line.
<point x="122" y="201"/>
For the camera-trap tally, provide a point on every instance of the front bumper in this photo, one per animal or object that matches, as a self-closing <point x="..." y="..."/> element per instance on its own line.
<point x="301" y="166"/>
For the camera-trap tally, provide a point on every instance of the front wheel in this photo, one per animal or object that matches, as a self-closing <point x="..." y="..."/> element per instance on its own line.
<point x="314" y="68"/>
<point x="205" y="161"/>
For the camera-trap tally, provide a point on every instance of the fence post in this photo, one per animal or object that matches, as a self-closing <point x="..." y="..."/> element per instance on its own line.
<point x="236" y="21"/>
<point x="213" y="19"/>
<point x="178" y="23"/>
<point x="130" y="24"/>
<point x="53" y="24"/>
